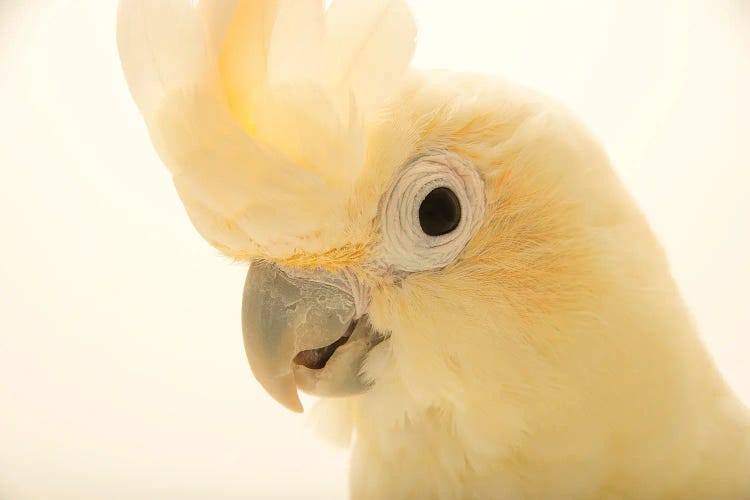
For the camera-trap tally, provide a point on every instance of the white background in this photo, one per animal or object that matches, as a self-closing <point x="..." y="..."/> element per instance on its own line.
<point x="122" y="373"/>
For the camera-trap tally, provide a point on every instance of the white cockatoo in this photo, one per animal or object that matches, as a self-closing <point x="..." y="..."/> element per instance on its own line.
<point x="449" y="261"/>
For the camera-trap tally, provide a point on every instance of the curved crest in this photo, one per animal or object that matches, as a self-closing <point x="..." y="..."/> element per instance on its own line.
<point x="258" y="108"/>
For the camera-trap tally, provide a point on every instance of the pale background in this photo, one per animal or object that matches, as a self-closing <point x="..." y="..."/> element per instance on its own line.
<point x="122" y="373"/>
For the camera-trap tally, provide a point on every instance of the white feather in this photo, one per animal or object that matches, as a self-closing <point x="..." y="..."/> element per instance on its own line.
<point x="370" y="44"/>
<point x="332" y="420"/>
<point x="216" y="16"/>
<point x="244" y="58"/>
<point x="218" y="168"/>
<point x="239" y="194"/>
<point x="264" y="149"/>
<point x="296" y="53"/>
<point x="162" y="49"/>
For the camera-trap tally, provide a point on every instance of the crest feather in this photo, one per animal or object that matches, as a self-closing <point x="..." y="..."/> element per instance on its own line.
<point x="162" y="49"/>
<point x="296" y="52"/>
<point x="216" y="16"/>
<point x="256" y="115"/>
<point x="370" y="45"/>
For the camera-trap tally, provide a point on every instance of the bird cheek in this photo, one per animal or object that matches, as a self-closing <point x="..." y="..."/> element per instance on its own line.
<point x="385" y="307"/>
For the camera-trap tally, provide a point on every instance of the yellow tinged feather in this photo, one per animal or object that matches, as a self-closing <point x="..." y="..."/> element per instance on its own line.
<point x="216" y="16"/>
<point x="370" y="44"/>
<point x="243" y="61"/>
<point x="162" y="49"/>
<point x="296" y="53"/>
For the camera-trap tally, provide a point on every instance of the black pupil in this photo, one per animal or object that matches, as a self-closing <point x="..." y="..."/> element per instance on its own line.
<point x="440" y="212"/>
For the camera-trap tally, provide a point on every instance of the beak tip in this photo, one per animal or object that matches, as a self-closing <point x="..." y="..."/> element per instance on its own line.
<point x="284" y="390"/>
<point x="292" y="404"/>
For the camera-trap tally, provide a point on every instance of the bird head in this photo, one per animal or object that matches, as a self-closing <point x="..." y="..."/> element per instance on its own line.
<point x="446" y="236"/>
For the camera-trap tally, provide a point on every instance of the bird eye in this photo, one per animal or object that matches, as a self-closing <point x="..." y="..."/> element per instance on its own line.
<point x="440" y="212"/>
<point x="431" y="212"/>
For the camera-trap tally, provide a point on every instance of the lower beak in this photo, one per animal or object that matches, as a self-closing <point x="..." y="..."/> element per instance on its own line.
<point x="304" y="329"/>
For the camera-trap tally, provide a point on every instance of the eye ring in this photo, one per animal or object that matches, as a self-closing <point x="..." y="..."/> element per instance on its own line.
<point x="410" y="242"/>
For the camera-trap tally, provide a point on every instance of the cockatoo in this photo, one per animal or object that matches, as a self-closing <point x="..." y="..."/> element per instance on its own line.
<point x="448" y="260"/>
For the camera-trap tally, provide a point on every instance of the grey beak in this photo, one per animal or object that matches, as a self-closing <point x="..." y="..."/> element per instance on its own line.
<point x="285" y="313"/>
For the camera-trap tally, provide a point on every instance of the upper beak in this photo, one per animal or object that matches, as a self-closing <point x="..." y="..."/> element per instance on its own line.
<point x="294" y="323"/>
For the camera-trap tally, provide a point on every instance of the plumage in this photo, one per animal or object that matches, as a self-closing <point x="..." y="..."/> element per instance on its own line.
<point x="264" y="150"/>
<point x="216" y="17"/>
<point x="547" y="355"/>
<point x="162" y="50"/>
<point x="370" y="44"/>
<point x="296" y="52"/>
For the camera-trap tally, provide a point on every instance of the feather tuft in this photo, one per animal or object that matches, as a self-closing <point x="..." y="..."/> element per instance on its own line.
<point x="259" y="111"/>
<point x="370" y="44"/>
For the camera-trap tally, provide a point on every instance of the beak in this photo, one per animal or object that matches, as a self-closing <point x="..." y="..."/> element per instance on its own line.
<point x="304" y="329"/>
